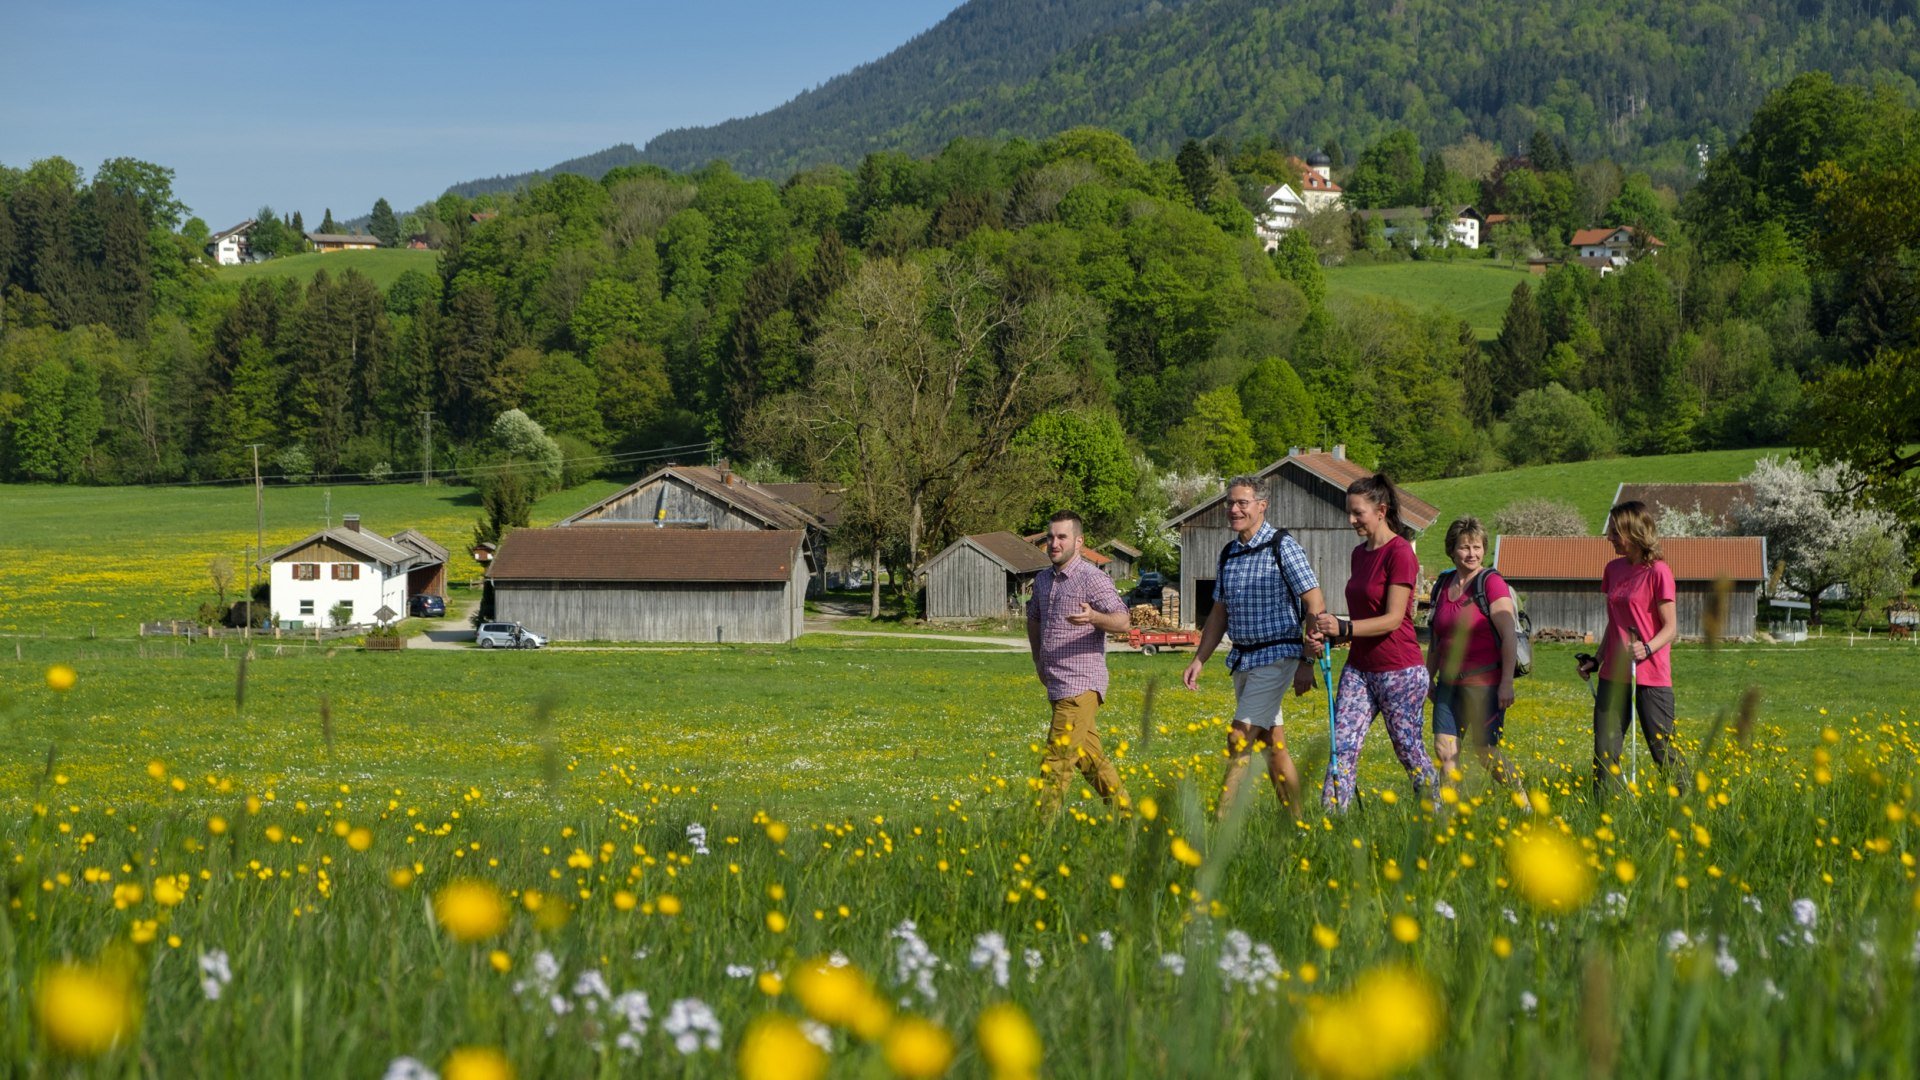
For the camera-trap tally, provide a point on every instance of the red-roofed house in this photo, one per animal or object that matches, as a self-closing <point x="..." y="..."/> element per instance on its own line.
<point x="1615" y="243"/>
<point x="1558" y="578"/>
<point x="1317" y="188"/>
<point x="1307" y="496"/>
<point x="639" y="582"/>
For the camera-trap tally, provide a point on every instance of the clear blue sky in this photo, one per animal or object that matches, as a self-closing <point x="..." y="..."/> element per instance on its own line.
<point x="309" y="106"/>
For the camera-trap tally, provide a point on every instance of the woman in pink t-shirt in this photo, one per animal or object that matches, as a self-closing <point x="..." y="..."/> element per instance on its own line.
<point x="1636" y="662"/>
<point x="1471" y="657"/>
<point x="1385" y="674"/>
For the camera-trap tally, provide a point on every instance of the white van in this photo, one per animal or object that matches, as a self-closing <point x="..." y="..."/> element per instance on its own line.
<point x="507" y="635"/>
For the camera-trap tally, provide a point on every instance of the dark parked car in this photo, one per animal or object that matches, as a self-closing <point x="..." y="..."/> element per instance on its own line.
<point x="426" y="606"/>
<point x="1149" y="588"/>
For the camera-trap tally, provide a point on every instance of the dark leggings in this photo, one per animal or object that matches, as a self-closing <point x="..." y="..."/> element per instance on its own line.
<point x="1654" y="706"/>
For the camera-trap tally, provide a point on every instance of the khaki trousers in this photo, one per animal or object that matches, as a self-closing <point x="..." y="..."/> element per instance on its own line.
<point x="1073" y="742"/>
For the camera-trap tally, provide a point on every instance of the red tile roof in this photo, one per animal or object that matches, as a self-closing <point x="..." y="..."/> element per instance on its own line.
<point x="1585" y="237"/>
<point x="644" y="553"/>
<point x="1582" y="558"/>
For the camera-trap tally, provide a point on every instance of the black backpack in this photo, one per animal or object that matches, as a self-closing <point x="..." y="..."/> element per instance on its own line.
<point x="1523" y="626"/>
<point x="1280" y="536"/>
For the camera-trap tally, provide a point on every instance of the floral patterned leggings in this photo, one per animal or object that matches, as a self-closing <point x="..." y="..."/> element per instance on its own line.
<point x="1400" y="695"/>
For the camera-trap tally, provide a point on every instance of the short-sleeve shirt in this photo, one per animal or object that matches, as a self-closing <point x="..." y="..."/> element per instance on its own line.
<point x="1634" y="594"/>
<point x="1262" y="606"/>
<point x="1478" y="662"/>
<point x="1373" y="571"/>
<point x="1072" y="659"/>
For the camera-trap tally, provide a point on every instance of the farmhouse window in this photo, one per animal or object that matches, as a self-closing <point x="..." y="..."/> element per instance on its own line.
<point x="306" y="571"/>
<point x="346" y="571"/>
<point x="306" y="607"/>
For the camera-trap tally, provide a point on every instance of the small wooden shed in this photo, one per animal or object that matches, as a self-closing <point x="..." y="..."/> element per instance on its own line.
<point x="1122" y="559"/>
<point x="1307" y="496"/>
<point x="979" y="577"/>
<point x="1558" y="579"/>
<point x="640" y="583"/>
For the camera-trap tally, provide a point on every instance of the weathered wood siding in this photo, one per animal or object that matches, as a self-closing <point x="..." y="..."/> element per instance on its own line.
<point x="656" y="611"/>
<point x="1119" y="567"/>
<point x="1578" y="606"/>
<point x="679" y="503"/>
<point x="963" y="583"/>
<point x="1295" y="502"/>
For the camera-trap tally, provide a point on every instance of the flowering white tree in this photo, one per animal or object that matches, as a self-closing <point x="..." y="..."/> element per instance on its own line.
<point x="1816" y="534"/>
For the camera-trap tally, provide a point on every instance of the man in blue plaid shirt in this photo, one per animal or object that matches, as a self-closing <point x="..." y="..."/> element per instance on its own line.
<point x="1262" y="585"/>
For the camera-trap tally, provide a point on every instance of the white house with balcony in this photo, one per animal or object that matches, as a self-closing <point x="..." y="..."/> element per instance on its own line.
<point x="1282" y="209"/>
<point x="229" y="247"/>
<point x="368" y="576"/>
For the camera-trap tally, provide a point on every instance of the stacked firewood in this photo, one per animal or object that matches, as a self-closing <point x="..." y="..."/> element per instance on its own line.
<point x="1148" y="617"/>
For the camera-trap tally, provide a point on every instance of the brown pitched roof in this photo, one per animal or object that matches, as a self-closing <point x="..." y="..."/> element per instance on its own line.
<point x="1582" y="558"/>
<point x="365" y="541"/>
<point x="821" y="500"/>
<point x="1338" y="472"/>
<point x="1584" y="237"/>
<point x="729" y="487"/>
<point x="644" y="553"/>
<point x="1123" y="548"/>
<point x="419" y="541"/>
<point x="1010" y="551"/>
<point x="344" y="238"/>
<point x="1717" y="501"/>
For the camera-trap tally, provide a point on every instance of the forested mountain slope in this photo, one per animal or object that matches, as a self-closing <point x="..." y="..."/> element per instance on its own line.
<point x="1637" y="80"/>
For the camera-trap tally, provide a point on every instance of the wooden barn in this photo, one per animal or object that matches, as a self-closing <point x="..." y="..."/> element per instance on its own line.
<point x="716" y="497"/>
<point x="641" y="583"/>
<point x="1558" y="579"/>
<point x="1307" y="496"/>
<point x="1123" y="559"/>
<point x="1719" y="502"/>
<point x="979" y="577"/>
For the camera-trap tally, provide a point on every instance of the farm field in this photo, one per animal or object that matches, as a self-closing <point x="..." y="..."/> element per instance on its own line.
<point x="1589" y="485"/>
<point x="383" y="266"/>
<point x="1475" y="290"/>
<point x="602" y="863"/>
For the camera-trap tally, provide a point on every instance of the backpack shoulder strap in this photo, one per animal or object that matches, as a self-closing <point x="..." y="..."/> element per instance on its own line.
<point x="1480" y="594"/>
<point x="1440" y="584"/>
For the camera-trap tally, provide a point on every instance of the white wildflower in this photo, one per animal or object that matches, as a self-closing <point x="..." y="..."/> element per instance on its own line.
<point x="215" y="973"/>
<point x="1175" y="963"/>
<point x="632" y="1006"/>
<point x="1805" y="914"/>
<point x="1774" y="992"/>
<point x="1868" y="949"/>
<point x="546" y="974"/>
<point x="697" y="838"/>
<point x="740" y="971"/>
<point x="1249" y="963"/>
<point x="1106" y="940"/>
<point x="1724" y="960"/>
<point x="406" y="1068"/>
<point x="1444" y="910"/>
<point x="818" y="1034"/>
<point x="1753" y="902"/>
<point x="1915" y="956"/>
<point x="560" y="1005"/>
<point x="913" y="961"/>
<point x="1034" y="960"/>
<point x="1528" y="1002"/>
<point x="1507" y="914"/>
<point x="591" y="987"/>
<point x="1678" y="940"/>
<point x="837" y="959"/>
<point x="990" y="951"/>
<point x="692" y="1025"/>
<point x="1616" y="904"/>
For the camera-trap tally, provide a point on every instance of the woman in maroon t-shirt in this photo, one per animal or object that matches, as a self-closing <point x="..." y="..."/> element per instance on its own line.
<point x="1635" y="659"/>
<point x="1385" y="674"/>
<point x="1471" y="658"/>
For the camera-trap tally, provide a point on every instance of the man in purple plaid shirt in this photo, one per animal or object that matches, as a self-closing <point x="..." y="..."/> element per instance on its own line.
<point x="1074" y="608"/>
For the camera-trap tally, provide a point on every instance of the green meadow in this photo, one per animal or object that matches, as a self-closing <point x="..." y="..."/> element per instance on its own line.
<point x="1474" y="290"/>
<point x="383" y="266"/>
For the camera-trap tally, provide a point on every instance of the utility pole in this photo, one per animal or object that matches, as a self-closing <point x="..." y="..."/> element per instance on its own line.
<point x="259" y="536"/>
<point x="426" y="447"/>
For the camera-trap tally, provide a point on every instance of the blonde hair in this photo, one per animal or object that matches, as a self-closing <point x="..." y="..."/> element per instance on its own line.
<point x="1466" y="528"/>
<point x="1633" y="522"/>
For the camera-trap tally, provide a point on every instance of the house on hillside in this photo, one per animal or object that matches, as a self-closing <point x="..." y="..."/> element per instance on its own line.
<point x="229" y="247"/>
<point x="1307" y="496"/>
<point x="633" y="581"/>
<point x="1620" y="243"/>
<point x="324" y="242"/>
<point x="981" y="576"/>
<point x="354" y="568"/>
<point x="1317" y="188"/>
<point x="1558" y="579"/>
<point x="1416" y="224"/>
<point x="716" y="497"/>
<point x="1282" y="209"/>
<point x="1719" y="502"/>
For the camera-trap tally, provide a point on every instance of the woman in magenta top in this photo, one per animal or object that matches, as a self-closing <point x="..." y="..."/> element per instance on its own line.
<point x="1471" y="654"/>
<point x="1384" y="674"/>
<point x="1636" y="662"/>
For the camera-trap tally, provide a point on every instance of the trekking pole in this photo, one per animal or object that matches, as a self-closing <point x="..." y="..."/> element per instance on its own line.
<point x="1333" y="731"/>
<point x="1633" y="692"/>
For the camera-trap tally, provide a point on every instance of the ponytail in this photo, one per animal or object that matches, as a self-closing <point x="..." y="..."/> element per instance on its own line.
<point x="1380" y="491"/>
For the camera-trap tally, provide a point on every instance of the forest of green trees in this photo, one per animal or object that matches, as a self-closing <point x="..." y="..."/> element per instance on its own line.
<point x="985" y="333"/>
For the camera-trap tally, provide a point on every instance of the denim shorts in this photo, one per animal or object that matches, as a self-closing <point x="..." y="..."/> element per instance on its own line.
<point x="1455" y="705"/>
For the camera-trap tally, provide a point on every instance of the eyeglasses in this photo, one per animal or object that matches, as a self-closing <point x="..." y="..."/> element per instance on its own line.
<point x="1242" y="504"/>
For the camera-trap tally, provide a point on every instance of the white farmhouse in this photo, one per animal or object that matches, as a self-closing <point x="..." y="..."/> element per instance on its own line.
<point x="229" y="247"/>
<point x="356" y="568"/>
<point x="1316" y="182"/>
<point x="1282" y="209"/>
<point x="1416" y="224"/>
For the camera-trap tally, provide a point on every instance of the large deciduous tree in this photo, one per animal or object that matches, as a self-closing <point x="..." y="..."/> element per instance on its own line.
<point x="1818" y="533"/>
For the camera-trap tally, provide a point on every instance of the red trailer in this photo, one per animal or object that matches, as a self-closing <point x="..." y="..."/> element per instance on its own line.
<point x="1152" y="641"/>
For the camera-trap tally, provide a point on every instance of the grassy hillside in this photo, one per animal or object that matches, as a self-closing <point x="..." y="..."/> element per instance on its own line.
<point x="1588" y="485"/>
<point x="85" y="559"/>
<point x="1476" y="290"/>
<point x="383" y="266"/>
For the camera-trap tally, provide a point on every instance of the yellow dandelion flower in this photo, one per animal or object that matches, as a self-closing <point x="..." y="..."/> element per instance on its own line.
<point x="777" y="831"/>
<point x="360" y="839"/>
<point x="770" y="983"/>
<point x="776" y="922"/>
<point x="217" y="825"/>
<point x="1148" y="808"/>
<point x="1549" y="870"/>
<point x="61" y="677"/>
<point x="841" y="996"/>
<point x="157" y="769"/>
<point x="776" y="1049"/>
<point x="1008" y="1040"/>
<point x="83" y="1011"/>
<point x="624" y="900"/>
<point x="918" y="1049"/>
<point x="500" y="961"/>
<point x="1405" y="930"/>
<point x="470" y="910"/>
<point x="1624" y="871"/>
<point x="667" y="904"/>
<point x="400" y="877"/>
<point x="1184" y="853"/>
<point x="1388" y="1022"/>
<point x="1325" y="937"/>
<point x="167" y="891"/>
<point x="1116" y="881"/>
<point x="476" y="1063"/>
<point x="1502" y="946"/>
